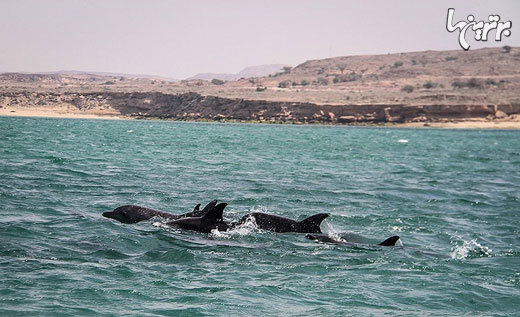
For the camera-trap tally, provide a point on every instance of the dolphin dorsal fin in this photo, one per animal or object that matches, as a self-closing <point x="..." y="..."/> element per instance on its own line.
<point x="196" y="208"/>
<point x="312" y="224"/>
<point x="215" y="213"/>
<point x="390" y="242"/>
<point x="209" y="206"/>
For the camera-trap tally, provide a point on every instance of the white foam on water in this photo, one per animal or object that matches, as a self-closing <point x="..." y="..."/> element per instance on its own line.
<point x="244" y="229"/>
<point x="461" y="252"/>
<point x="402" y="141"/>
<point x="333" y="233"/>
<point x="161" y="224"/>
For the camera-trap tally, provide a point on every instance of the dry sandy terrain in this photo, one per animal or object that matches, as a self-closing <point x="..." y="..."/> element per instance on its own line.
<point x="65" y="111"/>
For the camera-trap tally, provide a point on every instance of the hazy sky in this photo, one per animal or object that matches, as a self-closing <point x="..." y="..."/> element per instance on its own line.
<point x="181" y="38"/>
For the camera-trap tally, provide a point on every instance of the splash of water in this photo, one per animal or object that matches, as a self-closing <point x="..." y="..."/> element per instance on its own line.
<point x="469" y="248"/>
<point x="246" y="228"/>
<point x="333" y="233"/>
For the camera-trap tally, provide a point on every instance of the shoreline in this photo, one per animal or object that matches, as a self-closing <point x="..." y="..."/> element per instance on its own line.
<point x="112" y="115"/>
<point x="60" y="113"/>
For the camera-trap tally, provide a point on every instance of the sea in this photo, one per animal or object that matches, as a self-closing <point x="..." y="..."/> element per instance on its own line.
<point x="453" y="197"/>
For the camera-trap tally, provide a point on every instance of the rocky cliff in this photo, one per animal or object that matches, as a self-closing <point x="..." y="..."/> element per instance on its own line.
<point x="193" y="106"/>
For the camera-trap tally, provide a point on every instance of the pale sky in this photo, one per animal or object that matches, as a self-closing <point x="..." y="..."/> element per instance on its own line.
<point x="178" y="39"/>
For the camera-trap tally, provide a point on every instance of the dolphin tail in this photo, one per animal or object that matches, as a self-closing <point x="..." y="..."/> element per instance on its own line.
<point x="215" y="213"/>
<point x="390" y="242"/>
<point x="312" y="224"/>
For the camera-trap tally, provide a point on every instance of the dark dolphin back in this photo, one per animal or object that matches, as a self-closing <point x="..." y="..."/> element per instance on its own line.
<point x="135" y="214"/>
<point x="312" y="224"/>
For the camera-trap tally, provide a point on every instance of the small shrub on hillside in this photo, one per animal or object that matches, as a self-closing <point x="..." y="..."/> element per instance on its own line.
<point x="451" y="58"/>
<point x="284" y="84"/>
<point x="458" y="84"/>
<point x="430" y="85"/>
<point x="490" y="81"/>
<point x="346" y="78"/>
<point x="216" y="81"/>
<point x="322" y="81"/>
<point x="506" y="49"/>
<point x="304" y="82"/>
<point x="472" y="83"/>
<point x="260" y="88"/>
<point x="398" y="64"/>
<point x="407" y="88"/>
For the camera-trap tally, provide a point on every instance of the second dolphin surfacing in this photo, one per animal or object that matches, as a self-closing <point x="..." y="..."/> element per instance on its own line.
<point x="280" y="224"/>
<point x="213" y="220"/>
<point x="390" y="242"/>
<point x="209" y="221"/>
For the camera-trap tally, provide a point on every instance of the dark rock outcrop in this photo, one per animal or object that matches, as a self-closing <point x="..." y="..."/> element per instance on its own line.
<point x="193" y="106"/>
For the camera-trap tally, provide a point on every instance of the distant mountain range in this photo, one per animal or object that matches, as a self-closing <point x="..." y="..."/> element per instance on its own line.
<point x="252" y="71"/>
<point x="248" y="72"/>
<point x="104" y="74"/>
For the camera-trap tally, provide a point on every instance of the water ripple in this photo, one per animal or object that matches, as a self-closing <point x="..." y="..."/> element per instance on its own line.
<point x="452" y="197"/>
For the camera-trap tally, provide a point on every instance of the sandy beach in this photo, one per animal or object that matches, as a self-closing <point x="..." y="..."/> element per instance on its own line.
<point x="60" y="112"/>
<point x="477" y="124"/>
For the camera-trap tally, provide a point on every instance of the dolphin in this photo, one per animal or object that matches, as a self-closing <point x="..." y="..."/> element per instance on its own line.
<point x="390" y="242"/>
<point x="281" y="224"/>
<point x="135" y="214"/>
<point x="212" y="219"/>
<point x="195" y="220"/>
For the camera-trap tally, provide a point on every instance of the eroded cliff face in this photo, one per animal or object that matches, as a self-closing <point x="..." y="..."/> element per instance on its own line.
<point x="193" y="106"/>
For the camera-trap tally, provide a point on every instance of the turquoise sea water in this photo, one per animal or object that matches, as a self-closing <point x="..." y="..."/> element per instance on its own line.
<point x="452" y="196"/>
